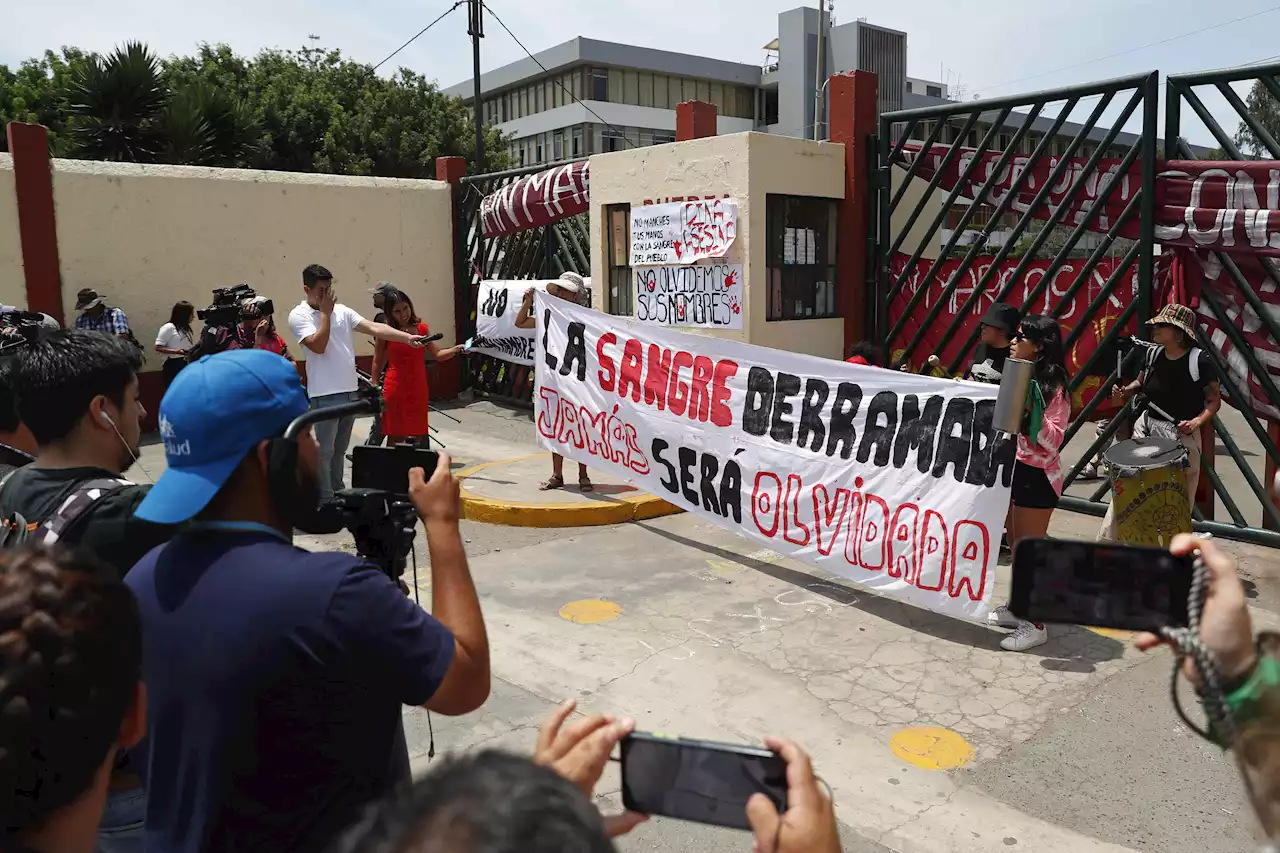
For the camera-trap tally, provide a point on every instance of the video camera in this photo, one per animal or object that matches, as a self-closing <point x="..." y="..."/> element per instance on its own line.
<point x="19" y="328"/>
<point x="376" y="510"/>
<point x="225" y="309"/>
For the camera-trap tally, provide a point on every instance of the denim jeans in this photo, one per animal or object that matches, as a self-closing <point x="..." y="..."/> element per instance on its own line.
<point x="334" y="436"/>
<point x="120" y="830"/>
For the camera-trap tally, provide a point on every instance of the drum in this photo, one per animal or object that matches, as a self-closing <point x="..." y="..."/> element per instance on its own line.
<point x="1149" y="490"/>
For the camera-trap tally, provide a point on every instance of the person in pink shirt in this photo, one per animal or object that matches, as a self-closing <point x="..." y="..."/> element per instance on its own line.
<point x="1037" y="472"/>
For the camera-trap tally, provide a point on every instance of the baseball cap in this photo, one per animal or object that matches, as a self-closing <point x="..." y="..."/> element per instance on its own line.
<point x="1001" y="316"/>
<point x="215" y="412"/>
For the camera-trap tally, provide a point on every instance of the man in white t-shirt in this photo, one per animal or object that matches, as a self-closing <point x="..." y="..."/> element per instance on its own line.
<point x="326" y="330"/>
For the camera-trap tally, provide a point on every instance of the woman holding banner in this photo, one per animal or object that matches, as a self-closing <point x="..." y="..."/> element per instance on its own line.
<point x="569" y="286"/>
<point x="1037" y="471"/>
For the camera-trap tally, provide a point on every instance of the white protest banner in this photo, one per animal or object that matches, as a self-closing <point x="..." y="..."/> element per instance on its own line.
<point x="895" y="481"/>
<point x="708" y="296"/>
<point x="497" y="306"/>
<point x="682" y="232"/>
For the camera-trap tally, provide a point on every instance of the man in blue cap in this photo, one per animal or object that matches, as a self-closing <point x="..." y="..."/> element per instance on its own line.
<point x="276" y="676"/>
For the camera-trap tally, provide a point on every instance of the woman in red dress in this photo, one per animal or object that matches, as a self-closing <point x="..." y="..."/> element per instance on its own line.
<point x="404" y="390"/>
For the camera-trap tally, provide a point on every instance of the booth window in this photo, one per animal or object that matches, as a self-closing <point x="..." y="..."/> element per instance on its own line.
<point x="618" y="236"/>
<point x="801" y="257"/>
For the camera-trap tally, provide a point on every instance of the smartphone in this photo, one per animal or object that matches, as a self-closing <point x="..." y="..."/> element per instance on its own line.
<point x="698" y="780"/>
<point x="1100" y="584"/>
<point x="387" y="468"/>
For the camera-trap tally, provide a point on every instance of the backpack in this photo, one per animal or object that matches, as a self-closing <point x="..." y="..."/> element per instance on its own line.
<point x="16" y="531"/>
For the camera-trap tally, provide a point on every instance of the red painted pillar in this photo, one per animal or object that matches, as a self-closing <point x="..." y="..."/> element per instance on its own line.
<point x="446" y="379"/>
<point x="695" y="120"/>
<point x="37" y="225"/>
<point x="853" y="123"/>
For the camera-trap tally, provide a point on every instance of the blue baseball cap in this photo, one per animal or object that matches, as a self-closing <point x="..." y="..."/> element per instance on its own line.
<point x="214" y="413"/>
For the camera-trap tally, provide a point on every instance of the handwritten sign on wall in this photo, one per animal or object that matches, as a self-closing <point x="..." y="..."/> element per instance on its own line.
<point x="707" y="296"/>
<point x="682" y="232"/>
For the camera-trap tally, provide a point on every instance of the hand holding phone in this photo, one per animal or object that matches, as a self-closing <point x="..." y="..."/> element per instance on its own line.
<point x="809" y="823"/>
<point x="1225" y="625"/>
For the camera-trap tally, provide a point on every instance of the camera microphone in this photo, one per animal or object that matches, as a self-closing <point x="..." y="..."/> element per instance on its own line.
<point x="430" y="339"/>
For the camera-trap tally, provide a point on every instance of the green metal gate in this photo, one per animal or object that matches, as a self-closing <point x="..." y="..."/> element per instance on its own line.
<point x="536" y="253"/>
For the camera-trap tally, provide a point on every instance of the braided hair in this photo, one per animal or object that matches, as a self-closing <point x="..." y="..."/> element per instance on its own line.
<point x="70" y="664"/>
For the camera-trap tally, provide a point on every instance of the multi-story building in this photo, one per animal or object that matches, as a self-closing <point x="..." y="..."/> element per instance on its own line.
<point x="597" y="96"/>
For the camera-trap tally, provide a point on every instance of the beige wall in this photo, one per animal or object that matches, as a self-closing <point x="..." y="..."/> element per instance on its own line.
<point x="748" y="167"/>
<point x="13" y="287"/>
<point x="148" y="236"/>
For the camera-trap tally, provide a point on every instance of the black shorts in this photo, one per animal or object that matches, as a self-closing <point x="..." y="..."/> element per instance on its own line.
<point x="1032" y="489"/>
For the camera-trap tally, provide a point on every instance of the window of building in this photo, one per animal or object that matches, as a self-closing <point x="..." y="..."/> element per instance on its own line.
<point x="631" y="87"/>
<point x="538" y="149"/>
<point x="599" y="84"/>
<point x="675" y="92"/>
<point x="619" y="298"/>
<point x="801" y="257"/>
<point x="646" y="90"/>
<point x="717" y="97"/>
<point x="524" y="103"/>
<point x="932" y="91"/>
<point x="702" y="90"/>
<point x="548" y="94"/>
<point x="663" y="136"/>
<point x="612" y="139"/>
<point x="661" y="92"/>
<point x="908" y="85"/>
<point x="746" y="102"/>
<point x="771" y="106"/>
<point x="578" y="150"/>
<point x="557" y="146"/>
<point x="575" y="83"/>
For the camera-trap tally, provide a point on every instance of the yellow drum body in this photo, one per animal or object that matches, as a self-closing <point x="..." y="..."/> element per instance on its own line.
<point x="1149" y="487"/>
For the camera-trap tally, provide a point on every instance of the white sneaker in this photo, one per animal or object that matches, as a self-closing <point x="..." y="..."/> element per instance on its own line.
<point x="1027" y="636"/>
<point x="1002" y="617"/>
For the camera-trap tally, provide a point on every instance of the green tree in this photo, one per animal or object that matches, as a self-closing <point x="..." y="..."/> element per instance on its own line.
<point x="34" y="92"/>
<point x="116" y="104"/>
<point x="1265" y="110"/>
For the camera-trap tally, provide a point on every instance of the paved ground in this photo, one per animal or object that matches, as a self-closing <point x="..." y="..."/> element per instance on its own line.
<point x="693" y="630"/>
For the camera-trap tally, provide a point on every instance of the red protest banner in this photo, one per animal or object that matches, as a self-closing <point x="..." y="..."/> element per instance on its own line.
<point x="537" y="200"/>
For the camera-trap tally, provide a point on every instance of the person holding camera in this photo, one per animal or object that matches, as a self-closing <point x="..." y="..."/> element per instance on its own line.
<point x="277" y="676"/>
<point x="497" y="802"/>
<point x="258" y="327"/>
<point x="71" y="697"/>
<point x="327" y="330"/>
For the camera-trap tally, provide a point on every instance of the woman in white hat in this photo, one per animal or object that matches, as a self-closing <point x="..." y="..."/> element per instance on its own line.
<point x="571" y="287"/>
<point x="1181" y="382"/>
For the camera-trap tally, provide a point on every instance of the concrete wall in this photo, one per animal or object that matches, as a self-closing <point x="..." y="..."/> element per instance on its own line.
<point x="148" y="236"/>
<point x="13" y="288"/>
<point x="748" y="167"/>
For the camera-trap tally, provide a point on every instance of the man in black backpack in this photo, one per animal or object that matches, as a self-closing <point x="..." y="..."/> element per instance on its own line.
<point x="77" y="391"/>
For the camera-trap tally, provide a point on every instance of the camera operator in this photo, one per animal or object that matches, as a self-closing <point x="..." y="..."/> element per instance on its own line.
<point x="276" y="675"/>
<point x="500" y="803"/>
<point x="326" y="328"/>
<point x="258" y="327"/>
<point x="71" y="697"/>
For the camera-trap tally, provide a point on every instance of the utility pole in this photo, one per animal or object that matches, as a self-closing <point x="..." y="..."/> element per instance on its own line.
<point x="475" y="29"/>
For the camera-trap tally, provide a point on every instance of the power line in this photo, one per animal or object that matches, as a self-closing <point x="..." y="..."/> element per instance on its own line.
<point x="1131" y="50"/>
<point x="575" y="99"/>
<point x="419" y="35"/>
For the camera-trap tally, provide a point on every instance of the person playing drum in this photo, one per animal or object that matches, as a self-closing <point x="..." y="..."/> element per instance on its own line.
<point x="1181" y="383"/>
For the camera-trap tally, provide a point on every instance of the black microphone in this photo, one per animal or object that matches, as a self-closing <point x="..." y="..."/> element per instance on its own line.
<point x="430" y="339"/>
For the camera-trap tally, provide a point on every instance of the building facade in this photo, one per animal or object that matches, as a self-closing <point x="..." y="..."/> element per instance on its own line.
<point x="595" y="97"/>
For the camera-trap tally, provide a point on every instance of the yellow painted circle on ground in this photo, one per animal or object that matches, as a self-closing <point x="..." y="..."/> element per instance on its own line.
<point x="1113" y="633"/>
<point x="931" y="748"/>
<point x="590" y="612"/>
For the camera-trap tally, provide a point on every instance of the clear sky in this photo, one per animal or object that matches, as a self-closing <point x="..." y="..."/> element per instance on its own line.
<point x="984" y="47"/>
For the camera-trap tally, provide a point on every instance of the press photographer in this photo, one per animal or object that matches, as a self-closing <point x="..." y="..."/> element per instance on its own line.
<point x="258" y="327"/>
<point x="277" y="676"/>
<point x="77" y="392"/>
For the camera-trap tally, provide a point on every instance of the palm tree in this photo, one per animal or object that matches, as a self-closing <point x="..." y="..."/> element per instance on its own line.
<point x="116" y="103"/>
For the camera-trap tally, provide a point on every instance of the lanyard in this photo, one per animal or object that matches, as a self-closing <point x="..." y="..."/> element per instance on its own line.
<point x="236" y="527"/>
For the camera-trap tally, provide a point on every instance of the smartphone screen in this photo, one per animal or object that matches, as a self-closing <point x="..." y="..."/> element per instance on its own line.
<point x="1097" y="584"/>
<point x="699" y="780"/>
<point x="387" y="468"/>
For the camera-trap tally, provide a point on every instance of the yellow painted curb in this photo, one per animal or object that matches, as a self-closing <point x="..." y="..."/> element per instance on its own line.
<point x="593" y="513"/>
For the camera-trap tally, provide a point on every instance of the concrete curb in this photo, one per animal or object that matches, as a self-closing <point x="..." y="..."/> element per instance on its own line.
<point x="596" y="513"/>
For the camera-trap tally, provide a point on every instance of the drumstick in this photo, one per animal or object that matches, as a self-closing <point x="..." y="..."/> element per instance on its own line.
<point x="936" y="362"/>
